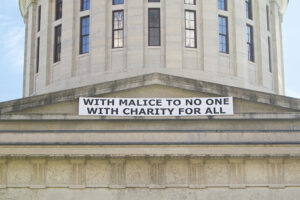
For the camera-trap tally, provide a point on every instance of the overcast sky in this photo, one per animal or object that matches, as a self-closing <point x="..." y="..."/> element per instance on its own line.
<point x="12" y="50"/>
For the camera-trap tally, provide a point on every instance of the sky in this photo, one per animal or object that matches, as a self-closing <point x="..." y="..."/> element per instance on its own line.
<point x="12" y="32"/>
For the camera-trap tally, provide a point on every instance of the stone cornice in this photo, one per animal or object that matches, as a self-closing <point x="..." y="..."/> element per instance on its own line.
<point x="148" y="80"/>
<point x="23" y="5"/>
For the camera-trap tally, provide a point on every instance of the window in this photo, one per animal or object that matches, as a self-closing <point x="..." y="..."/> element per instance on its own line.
<point x="58" y="9"/>
<point x="248" y="9"/>
<point x="118" y="29"/>
<point x="116" y="2"/>
<point x="270" y="54"/>
<point x="85" y="5"/>
<point x="190" y="29"/>
<point x="222" y="4"/>
<point x="154" y="27"/>
<point x="268" y="18"/>
<point x="37" y="55"/>
<point x="39" y="18"/>
<point x="191" y="2"/>
<point x="153" y="0"/>
<point x="223" y="35"/>
<point x="84" y="34"/>
<point x="250" y="43"/>
<point x="57" y="43"/>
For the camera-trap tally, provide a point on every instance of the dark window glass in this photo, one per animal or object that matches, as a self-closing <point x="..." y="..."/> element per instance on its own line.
<point x="250" y="43"/>
<point x="248" y="9"/>
<point x="223" y="35"/>
<point x="57" y="43"/>
<point x="154" y="27"/>
<point x="37" y="55"/>
<point x="115" y="2"/>
<point x="39" y="18"/>
<point x="58" y="9"/>
<point x="270" y="54"/>
<point x="190" y="29"/>
<point x="268" y="18"/>
<point x="153" y="0"/>
<point x="118" y="29"/>
<point x="85" y="5"/>
<point x="84" y="34"/>
<point x="222" y="4"/>
<point x="191" y="2"/>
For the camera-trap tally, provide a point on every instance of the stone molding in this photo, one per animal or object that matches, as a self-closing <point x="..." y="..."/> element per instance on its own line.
<point x="23" y="6"/>
<point x="149" y="80"/>
<point x="235" y="173"/>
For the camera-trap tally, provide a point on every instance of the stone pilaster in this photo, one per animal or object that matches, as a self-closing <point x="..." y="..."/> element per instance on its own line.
<point x="157" y="172"/>
<point x="275" y="173"/>
<point x="118" y="178"/>
<point x="38" y="176"/>
<point x="196" y="173"/>
<point x="3" y="173"/>
<point x="237" y="173"/>
<point x="78" y="173"/>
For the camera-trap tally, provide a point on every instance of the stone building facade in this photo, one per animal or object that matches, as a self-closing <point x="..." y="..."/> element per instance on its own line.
<point x="179" y="20"/>
<point x="48" y="151"/>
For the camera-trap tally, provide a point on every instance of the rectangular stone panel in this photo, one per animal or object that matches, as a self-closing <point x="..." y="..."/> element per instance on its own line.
<point x="59" y="172"/>
<point x="19" y="172"/>
<point x="137" y="172"/>
<point x="216" y="172"/>
<point x="177" y="172"/>
<point x="292" y="172"/>
<point x="256" y="171"/>
<point x="97" y="173"/>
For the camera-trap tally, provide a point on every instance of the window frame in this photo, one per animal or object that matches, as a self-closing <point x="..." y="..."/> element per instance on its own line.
<point x="225" y="35"/>
<point x="37" y="67"/>
<point x="57" y="45"/>
<point x="39" y="18"/>
<point x="58" y="9"/>
<point x="82" y="36"/>
<point x="188" y="3"/>
<point x="224" y="3"/>
<point x="119" y="29"/>
<point x="251" y="55"/>
<point x="117" y="3"/>
<point x="159" y="27"/>
<point x="195" y="29"/>
<point x="249" y="11"/>
<point x="270" y="55"/>
<point x="82" y="5"/>
<point x="268" y="17"/>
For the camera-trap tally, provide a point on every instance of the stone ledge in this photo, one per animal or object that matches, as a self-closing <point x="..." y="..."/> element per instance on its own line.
<point x="61" y="152"/>
<point x="163" y="137"/>
<point x="60" y="117"/>
<point x="147" y="80"/>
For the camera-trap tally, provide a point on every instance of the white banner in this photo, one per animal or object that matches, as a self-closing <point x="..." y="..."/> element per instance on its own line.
<point x="159" y="107"/>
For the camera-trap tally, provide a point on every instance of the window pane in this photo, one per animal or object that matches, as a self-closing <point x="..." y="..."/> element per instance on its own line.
<point x="84" y="34"/>
<point x="37" y="55"/>
<point x="57" y="43"/>
<point x="222" y="4"/>
<point x="190" y="28"/>
<point x="248" y="9"/>
<point x="154" y="26"/>
<point x="58" y="9"/>
<point x="85" y="5"/>
<point x="191" y="2"/>
<point x="223" y="35"/>
<point x="250" y="43"/>
<point x="118" y="29"/>
<point x="115" y="2"/>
